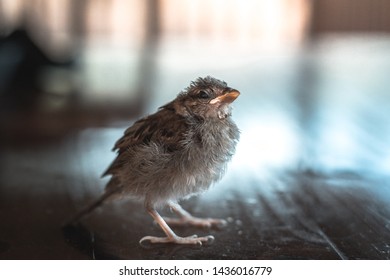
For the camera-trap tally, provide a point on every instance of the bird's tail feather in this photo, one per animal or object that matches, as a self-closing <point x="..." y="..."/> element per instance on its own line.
<point x="108" y="193"/>
<point x="84" y="212"/>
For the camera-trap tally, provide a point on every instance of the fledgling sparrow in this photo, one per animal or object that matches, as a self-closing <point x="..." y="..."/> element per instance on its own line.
<point x="175" y="153"/>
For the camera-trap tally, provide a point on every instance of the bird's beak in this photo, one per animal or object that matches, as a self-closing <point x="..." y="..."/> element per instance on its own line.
<point x="226" y="98"/>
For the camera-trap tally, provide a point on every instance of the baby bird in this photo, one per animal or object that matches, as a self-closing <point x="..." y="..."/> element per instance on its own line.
<point x="175" y="153"/>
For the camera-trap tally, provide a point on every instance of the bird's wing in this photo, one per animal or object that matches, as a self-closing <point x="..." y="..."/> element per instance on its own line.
<point x="165" y="127"/>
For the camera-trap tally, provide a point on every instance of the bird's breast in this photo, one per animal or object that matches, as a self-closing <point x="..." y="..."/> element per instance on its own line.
<point x="207" y="149"/>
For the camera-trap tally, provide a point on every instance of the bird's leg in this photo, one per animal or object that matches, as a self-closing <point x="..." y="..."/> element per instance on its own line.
<point x="186" y="218"/>
<point x="171" y="237"/>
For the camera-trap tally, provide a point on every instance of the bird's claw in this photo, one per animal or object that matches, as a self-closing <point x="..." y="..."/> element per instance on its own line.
<point x="189" y="240"/>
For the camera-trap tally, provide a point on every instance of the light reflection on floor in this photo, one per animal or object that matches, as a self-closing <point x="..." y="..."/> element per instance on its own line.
<point x="267" y="142"/>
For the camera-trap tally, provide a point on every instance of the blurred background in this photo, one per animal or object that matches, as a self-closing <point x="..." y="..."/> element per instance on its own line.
<point x="314" y="83"/>
<point x="94" y="52"/>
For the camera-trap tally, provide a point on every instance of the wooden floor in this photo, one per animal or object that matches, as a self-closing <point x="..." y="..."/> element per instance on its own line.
<point x="310" y="179"/>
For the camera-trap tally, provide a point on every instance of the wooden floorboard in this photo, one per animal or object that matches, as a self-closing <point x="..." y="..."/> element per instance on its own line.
<point x="296" y="215"/>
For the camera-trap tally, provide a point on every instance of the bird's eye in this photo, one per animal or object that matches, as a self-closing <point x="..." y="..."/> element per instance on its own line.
<point x="203" y="94"/>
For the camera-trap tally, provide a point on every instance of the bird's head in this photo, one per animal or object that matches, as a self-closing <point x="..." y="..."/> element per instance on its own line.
<point x="206" y="98"/>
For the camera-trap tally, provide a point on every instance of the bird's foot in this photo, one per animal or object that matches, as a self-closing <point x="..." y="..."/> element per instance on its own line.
<point x="197" y="222"/>
<point x="189" y="240"/>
